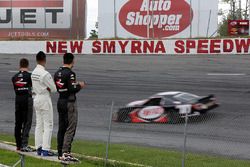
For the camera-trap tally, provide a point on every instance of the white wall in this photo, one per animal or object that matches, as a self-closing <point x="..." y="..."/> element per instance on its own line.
<point x="106" y="18"/>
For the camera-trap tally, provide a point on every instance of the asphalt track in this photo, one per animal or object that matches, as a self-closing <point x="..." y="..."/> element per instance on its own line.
<point x="224" y="131"/>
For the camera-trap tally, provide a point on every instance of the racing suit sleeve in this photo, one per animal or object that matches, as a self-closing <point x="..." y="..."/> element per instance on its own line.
<point x="73" y="86"/>
<point x="30" y="84"/>
<point x="49" y="82"/>
<point x="12" y="80"/>
<point x="29" y="80"/>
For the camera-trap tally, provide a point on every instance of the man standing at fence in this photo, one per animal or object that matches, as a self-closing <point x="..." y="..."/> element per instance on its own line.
<point x="43" y="86"/>
<point x="23" y="106"/>
<point x="67" y="86"/>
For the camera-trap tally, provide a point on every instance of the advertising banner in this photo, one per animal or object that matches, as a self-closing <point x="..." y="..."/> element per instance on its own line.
<point x="164" y="20"/>
<point x="151" y="47"/>
<point x="61" y="19"/>
<point x="131" y="47"/>
<point x="238" y="27"/>
<point x="157" y="18"/>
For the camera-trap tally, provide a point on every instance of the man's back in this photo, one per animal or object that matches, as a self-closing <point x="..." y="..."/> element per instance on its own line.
<point x="42" y="81"/>
<point x="61" y="78"/>
<point x="66" y="84"/>
<point x="22" y="83"/>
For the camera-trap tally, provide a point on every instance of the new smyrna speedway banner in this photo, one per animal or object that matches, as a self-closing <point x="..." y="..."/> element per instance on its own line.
<point x="133" y="47"/>
<point x="155" y="47"/>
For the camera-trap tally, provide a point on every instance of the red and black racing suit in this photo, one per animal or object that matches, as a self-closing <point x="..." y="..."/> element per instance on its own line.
<point x="23" y="107"/>
<point x="67" y="87"/>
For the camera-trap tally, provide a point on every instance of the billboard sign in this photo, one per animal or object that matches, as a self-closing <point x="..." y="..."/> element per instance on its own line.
<point x="42" y="18"/>
<point x="157" y="19"/>
<point x="238" y="27"/>
<point x="166" y="18"/>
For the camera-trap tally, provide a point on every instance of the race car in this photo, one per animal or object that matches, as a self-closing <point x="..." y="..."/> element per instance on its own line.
<point x="165" y="107"/>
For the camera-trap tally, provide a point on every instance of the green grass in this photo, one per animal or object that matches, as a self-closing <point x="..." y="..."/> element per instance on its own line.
<point x="128" y="153"/>
<point x="10" y="158"/>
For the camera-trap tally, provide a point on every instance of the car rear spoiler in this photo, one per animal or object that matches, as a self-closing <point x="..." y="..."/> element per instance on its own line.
<point x="209" y="97"/>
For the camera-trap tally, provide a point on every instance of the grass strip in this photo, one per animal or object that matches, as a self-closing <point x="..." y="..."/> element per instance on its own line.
<point x="140" y="155"/>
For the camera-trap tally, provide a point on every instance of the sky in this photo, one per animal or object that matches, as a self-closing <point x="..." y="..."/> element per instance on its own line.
<point x="92" y="15"/>
<point x="92" y="10"/>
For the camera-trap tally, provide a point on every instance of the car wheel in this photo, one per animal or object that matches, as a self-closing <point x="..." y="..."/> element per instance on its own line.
<point x="173" y="117"/>
<point x="127" y="120"/>
<point x="123" y="115"/>
<point x="203" y="112"/>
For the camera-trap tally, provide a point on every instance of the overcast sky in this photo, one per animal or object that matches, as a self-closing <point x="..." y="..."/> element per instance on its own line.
<point x="93" y="12"/>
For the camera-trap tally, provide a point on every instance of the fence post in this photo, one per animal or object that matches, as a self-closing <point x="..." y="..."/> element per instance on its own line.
<point x="153" y="30"/>
<point x="23" y="22"/>
<point x="199" y="18"/>
<point x="70" y="30"/>
<point x="109" y="135"/>
<point x="208" y="24"/>
<point x="249" y="15"/>
<point x="190" y="19"/>
<point x="11" y="15"/>
<point x="184" y="109"/>
<point x="77" y="20"/>
<point x="148" y="23"/>
<point x="185" y="141"/>
<point x="45" y="19"/>
<point x="22" y="160"/>
<point x="115" y="21"/>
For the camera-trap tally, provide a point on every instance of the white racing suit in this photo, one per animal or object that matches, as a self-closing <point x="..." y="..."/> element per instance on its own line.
<point x="43" y="85"/>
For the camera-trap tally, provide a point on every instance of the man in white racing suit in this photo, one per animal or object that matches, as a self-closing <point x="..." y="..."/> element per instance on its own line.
<point x="43" y="86"/>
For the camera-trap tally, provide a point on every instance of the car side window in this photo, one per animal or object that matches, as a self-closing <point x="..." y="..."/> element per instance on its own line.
<point x="167" y="101"/>
<point x="153" y="102"/>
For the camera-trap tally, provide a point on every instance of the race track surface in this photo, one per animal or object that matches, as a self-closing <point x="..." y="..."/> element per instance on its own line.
<point x="224" y="131"/>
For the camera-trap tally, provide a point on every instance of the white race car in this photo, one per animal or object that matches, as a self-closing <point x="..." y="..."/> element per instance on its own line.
<point x="164" y="108"/>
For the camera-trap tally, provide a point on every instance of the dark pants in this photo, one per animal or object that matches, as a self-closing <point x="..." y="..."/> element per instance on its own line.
<point x="68" y="115"/>
<point x="23" y="119"/>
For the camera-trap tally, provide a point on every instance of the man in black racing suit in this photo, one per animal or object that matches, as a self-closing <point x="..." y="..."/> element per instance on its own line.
<point x="67" y="87"/>
<point x="23" y="106"/>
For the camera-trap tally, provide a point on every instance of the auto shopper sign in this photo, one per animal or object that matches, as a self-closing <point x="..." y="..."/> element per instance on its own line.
<point x="164" y="18"/>
<point x="41" y="18"/>
<point x="157" y="18"/>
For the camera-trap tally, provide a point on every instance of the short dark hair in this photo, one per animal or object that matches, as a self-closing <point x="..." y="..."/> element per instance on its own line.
<point x="41" y="56"/>
<point x="68" y="58"/>
<point x="24" y="63"/>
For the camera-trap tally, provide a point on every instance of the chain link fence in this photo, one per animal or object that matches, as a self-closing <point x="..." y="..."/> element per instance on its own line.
<point x="180" y="142"/>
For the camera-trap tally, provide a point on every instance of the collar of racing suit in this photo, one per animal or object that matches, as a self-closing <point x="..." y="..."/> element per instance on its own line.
<point x="40" y="66"/>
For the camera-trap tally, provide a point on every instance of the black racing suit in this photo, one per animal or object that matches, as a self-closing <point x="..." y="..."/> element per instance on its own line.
<point x="23" y="107"/>
<point x="67" y="87"/>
